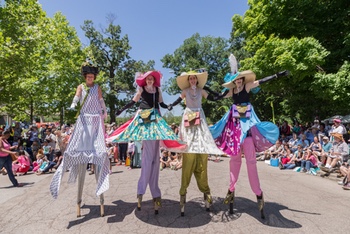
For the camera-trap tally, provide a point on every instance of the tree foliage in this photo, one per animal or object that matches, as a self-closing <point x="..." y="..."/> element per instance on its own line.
<point x="311" y="42"/>
<point x="110" y="51"/>
<point x="200" y="52"/>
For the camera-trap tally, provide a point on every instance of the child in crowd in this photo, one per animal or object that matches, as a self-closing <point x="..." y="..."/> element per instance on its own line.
<point x="40" y="158"/>
<point x="110" y="152"/>
<point x="47" y="149"/>
<point x="22" y="164"/>
<point x="164" y="160"/>
<point x="176" y="161"/>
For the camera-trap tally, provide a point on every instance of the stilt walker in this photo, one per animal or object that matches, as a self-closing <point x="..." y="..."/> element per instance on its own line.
<point x="150" y="128"/>
<point x="87" y="143"/>
<point x="194" y="130"/>
<point x="240" y="131"/>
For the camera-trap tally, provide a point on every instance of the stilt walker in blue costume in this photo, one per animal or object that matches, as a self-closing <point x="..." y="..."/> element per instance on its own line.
<point x="240" y="130"/>
<point x="149" y="127"/>
<point x="87" y="143"/>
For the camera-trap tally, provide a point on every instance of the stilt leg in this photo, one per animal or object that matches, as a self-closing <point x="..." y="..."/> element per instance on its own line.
<point x="182" y="204"/>
<point x="230" y="199"/>
<point x="208" y="201"/>
<point x="97" y="170"/>
<point x="261" y="204"/>
<point x="81" y="180"/>
<point x="157" y="203"/>
<point x="139" y="200"/>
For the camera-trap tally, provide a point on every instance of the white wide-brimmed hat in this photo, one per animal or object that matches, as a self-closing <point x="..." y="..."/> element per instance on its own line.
<point x="183" y="83"/>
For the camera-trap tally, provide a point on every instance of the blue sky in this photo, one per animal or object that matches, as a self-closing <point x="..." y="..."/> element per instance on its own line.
<point x="154" y="27"/>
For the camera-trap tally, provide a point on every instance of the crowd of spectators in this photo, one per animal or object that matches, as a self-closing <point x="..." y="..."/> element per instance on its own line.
<point x="310" y="148"/>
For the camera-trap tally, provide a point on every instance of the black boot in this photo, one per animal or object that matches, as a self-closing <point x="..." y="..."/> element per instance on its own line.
<point x="230" y="198"/>
<point x="261" y="204"/>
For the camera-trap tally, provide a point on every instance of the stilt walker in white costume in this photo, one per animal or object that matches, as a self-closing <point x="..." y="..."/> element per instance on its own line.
<point x="87" y="143"/>
<point x="194" y="131"/>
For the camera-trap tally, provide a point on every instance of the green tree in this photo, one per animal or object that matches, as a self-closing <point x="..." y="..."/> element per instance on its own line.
<point x="110" y="51"/>
<point x="200" y="52"/>
<point x="306" y="40"/>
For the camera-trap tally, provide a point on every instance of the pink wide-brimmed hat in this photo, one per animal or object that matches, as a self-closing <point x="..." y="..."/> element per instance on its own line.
<point x="141" y="78"/>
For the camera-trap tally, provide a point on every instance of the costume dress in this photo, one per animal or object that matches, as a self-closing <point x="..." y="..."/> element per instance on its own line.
<point x="86" y="144"/>
<point x="200" y="143"/>
<point x="236" y="134"/>
<point x="150" y="131"/>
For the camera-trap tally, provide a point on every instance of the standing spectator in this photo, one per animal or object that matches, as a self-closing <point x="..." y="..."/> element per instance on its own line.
<point x="131" y="153"/>
<point x="175" y="128"/>
<point x="17" y="132"/>
<point x="6" y="157"/>
<point x="51" y="139"/>
<point x="123" y="148"/>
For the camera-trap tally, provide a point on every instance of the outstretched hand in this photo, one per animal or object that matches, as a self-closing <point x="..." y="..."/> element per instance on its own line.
<point x="283" y="73"/>
<point x="118" y="112"/>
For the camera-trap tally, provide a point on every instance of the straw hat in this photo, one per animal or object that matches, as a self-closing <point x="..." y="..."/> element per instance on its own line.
<point x="249" y="76"/>
<point x="183" y="83"/>
<point x="141" y="78"/>
<point x="337" y="135"/>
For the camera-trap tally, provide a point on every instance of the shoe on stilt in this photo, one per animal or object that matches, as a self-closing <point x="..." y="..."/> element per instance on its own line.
<point x="208" y="200"/>
<point x="139" y="200"/>
<point x="230" y="199"/>
<point x="157" y="203"/>
<point x="182" y="204"/>
<point x="261" y="204"/>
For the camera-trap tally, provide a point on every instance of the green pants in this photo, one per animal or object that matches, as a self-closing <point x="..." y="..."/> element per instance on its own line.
<point x="196" y="164"/>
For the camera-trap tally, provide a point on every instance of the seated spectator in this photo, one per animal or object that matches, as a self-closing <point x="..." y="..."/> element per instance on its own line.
<point x="344" y="170"/>
<point x="40" y="158"/>
<point x="296" y="128"/>
<point x="285" y="156"/>
<point x="303" y="142"/>
<point x="22" y="164"/>
<point x="295" y="161"/>
<point x="316" y="148"/>
<point x="309" y="161"/>
<point x="164" y="160"/>
<point x="337" y="153"/>
<point x="322" y="132"/>
<point x="272" y="152"/>
<point x="47" y="149"/>
<point x="52" y="164"/>
<point x="176" y="161"/>
<point x="293" y="143"/>
<point x="326" y="147"/>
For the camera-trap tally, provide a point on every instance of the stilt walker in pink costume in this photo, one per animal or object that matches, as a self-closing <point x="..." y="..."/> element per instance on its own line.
<point x="240" y="131"/>
<point x="150" y="128"/>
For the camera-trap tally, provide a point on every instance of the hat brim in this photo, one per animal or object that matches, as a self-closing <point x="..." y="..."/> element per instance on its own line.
<point x="183" y="83"/>
<point x="141" y="80"/>
<point x="249" y="76"/>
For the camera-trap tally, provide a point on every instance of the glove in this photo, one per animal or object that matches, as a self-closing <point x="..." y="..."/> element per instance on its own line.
<point x="170" y="107"/>
<point x="74" y="103"/>
<point x="218" y="97"/>
<point x="104" y="109"/>
<point x="127" y="106"/>
<point x="177" y="101"/>
<point x="283" y="73"/>
<point x="277" y="75"/>
<point x="206" y="88"/>
<point x="162" y="104"/>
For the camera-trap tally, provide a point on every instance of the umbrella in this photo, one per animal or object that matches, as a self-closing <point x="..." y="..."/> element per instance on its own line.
<point x="332" y="118"/>
<point x="345" y="119"/>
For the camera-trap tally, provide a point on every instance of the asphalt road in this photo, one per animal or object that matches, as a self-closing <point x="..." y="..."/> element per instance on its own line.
<point x="295" y="203"/>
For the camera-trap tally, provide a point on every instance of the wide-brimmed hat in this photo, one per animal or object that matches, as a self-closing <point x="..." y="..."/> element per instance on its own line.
<point x="141" y="78"/>
<point x="183" y="83"/>
<point x="336" y="120"/>
<point x="249" y="76"/>
<point x="337" y="135"/>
